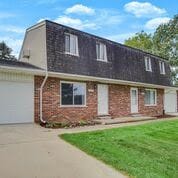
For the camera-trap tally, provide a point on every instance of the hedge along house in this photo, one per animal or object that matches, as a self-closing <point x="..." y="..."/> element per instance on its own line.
<point x="83" y="76"/>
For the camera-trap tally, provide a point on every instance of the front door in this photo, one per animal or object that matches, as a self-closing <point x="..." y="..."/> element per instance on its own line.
<point x="134" y="100"/>
<point x="102" y="99"/>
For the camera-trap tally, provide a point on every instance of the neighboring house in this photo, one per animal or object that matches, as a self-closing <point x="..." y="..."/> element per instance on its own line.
<point x="77" y="76"/>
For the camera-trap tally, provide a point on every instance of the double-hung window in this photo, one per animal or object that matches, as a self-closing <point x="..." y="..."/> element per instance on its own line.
<point x="73" y="94"/>
<point x="150" y="97"/>
<point x="161" y="67"/>
<point x="148" y="64"/>
<point x="71" y="44"/>
<point x="101" y="53"/>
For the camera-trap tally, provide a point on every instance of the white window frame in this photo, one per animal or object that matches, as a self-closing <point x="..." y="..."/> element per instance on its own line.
<point x="162" y="67"/>
<point x="71" y="36"/>
<point x="71" y="82"/>
<point x="148" y="66"/>
<point x="155" y="104"/>
<point x="103" y="50"/>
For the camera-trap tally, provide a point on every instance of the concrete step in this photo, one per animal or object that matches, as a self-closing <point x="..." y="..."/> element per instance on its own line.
<point x="136" y="115"/>
<point x="104" y="117"/>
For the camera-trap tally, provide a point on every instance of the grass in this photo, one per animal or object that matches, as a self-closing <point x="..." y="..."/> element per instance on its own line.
<point x="144" y="151"/>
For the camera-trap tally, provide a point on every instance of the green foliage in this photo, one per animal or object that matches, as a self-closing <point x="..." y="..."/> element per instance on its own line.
<point x="149" y="150"/>
<point x="141" y="41"/>
<point x="165" y="40"/>
<point x="5" y="52"/>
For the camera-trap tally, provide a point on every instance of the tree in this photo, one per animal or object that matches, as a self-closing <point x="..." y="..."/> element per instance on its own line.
<point x="5" y="52"/>
<point x="142" y="41"/>
<point x="165" y="41"/>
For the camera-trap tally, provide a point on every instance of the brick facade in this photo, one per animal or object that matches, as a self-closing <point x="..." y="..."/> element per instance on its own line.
<point x="119" y="102"/>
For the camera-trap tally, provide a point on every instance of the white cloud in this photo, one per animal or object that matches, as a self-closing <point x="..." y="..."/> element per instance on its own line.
<point x="80" y="9"/>
<point x="13" y="43"/>
<point x="11" y="28"/>
<point x="42" y="19"/>
<point x="143" y="9"/>
<point x="120" y="37"/>
<point x="76" y="23"/>
<point x="107" y="17"/>
<point x="154" y="23"/>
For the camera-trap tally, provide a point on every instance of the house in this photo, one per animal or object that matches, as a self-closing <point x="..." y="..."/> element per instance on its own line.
<point x="64" y="74"/>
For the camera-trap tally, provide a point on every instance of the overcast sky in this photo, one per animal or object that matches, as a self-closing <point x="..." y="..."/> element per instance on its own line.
<point x="113" y="19"/>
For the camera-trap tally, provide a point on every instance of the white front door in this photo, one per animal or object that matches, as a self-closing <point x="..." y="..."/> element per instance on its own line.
<point x="170" y="101"/>
<point x="134" y="100"/>
<point x="102" y="99"/>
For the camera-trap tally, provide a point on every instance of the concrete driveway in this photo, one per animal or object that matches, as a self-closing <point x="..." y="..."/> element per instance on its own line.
<point x="30" y="151"/>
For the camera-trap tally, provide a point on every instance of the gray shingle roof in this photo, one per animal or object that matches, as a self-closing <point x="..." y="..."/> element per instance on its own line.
<point x="19" y="64"/>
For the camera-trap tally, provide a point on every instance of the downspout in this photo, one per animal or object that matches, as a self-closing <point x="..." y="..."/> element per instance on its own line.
<point x="41" y="97"/>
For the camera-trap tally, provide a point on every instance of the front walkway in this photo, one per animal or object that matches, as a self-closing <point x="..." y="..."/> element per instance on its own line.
<point x="30" y="151"/>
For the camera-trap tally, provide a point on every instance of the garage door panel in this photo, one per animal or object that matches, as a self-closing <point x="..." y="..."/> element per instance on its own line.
<point x="16" y="102"/>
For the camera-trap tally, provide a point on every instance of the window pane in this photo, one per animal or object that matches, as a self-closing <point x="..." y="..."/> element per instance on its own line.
<point x="147" y="97"/>
<point x="79" y="94"/>
<point x="67" y="43"/>
<point x="152" y="97"/>
<point x="67" y="93"/>
<point x="97" y="50"/>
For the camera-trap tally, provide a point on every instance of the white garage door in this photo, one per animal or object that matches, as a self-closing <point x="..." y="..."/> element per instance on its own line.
<point x="16" y="101"/>
<point x="170" y="101"/>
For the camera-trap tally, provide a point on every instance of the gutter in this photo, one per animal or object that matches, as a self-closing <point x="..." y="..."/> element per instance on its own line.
<point x="41" y="98"/>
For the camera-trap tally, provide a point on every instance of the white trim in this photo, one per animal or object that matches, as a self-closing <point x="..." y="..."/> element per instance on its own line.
<point x="68" y="53"/>
<point x="105" y="80"/>
<point x="161" y="64"/>
<point x="64" y="76"/>
<point x="102" y="50"/>
<point x="73" y="82"/>
<point x="72" y="38"/>
<point x="148" y="89"/>
<point x="149" y="64"/>
<point x="22" y="70"/>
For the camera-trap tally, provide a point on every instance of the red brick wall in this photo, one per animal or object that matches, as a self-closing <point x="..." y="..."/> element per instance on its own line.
<point x="151" y="110"/>
<point x="52" y="111"/>
<point x="119" y="102"/>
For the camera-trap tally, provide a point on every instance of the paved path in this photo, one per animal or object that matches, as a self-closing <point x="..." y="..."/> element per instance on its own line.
<point x="29" y="151"/>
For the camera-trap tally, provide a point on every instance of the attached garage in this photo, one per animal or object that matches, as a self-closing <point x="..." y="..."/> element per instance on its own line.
<point x="17" y="92"/>
<point x="170" y="101"/>
<point x="16" y="98"/>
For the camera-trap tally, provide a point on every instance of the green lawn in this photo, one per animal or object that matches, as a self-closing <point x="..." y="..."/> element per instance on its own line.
<point x="144" y="151"/>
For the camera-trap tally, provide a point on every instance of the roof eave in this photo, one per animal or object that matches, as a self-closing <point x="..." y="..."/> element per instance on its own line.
<point x="106" y="80"/>
<point x="29" y="71"/>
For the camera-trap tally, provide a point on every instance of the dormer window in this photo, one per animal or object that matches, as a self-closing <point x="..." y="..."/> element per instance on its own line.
<point x="148" y="64"/>
<point x="161" y="67"/>
<point x="71" y="44"/>
<point x="101" y="53"/>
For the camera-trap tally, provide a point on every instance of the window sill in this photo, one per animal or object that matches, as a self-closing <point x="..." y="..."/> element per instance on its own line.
<point x="101" y="60"/>
<point x="150" y="104"/>
<point x="71" y="54"/>
<point x="149" y="70"/>
<point x="73" y="106"/>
